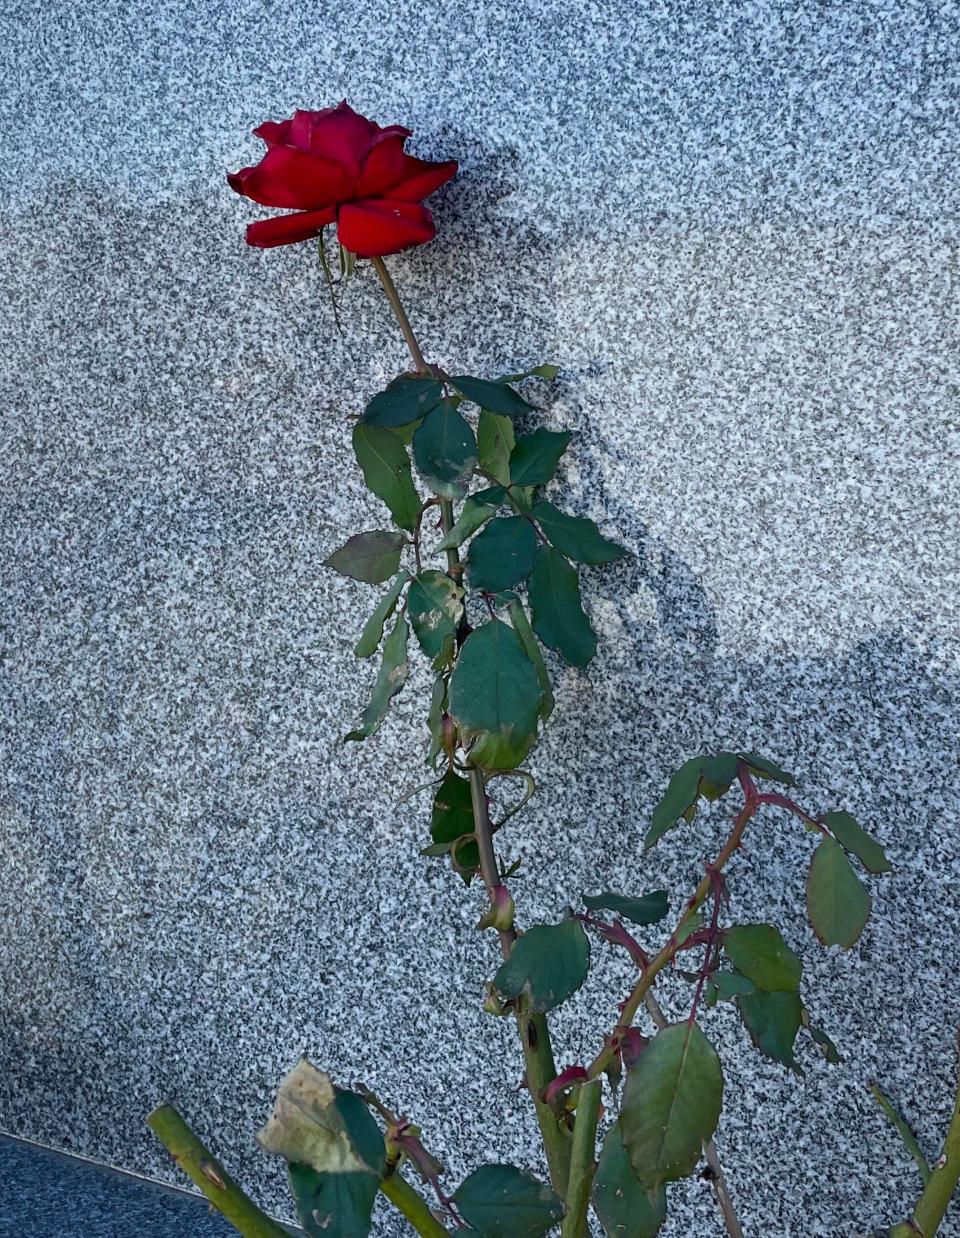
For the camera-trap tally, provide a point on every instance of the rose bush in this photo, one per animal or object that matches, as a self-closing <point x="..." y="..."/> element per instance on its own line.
<point x="335" y="166"/>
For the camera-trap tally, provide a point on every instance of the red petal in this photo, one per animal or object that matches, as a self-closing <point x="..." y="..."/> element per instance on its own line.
<point x="337" y="133"/>
<point x="273" y="132"/>
<point x="290" y="178"/>
<point x="288" y="229"/>
<point x="376" y="227"/>
<point x="384" y="165"/>
<point x="421" y="178"/>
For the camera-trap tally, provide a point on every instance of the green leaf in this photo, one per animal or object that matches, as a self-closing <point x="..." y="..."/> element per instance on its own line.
<point x="372" y="633"/>
<point x="521" y="625"/>
<point x="406" y="399"/>
<point x="549" y="372"/>
<point x="853" y="838"/>
<point x="333" y="1205"/>
<point x="370" y="557"/>
<point x="501" y="1201"/>
<point x="386" y="470"/>
<point x="502" y="555"/>
<point x="625" y="1209"/>
<point x="730" y="984"/>
<point x="452" y="819"/>
<point x="495" y="696"/>
<point x="478" y="509"/>
<point x="434" y="607"/>
<point x="334" y="1149"/>
<point x="671" y="1104"/>
<point x="558" y="617"/>
<point x="438" y="703"/>
<point x="773" y="1020"/>
<point x="497" y="397"/>
<point x="444" y="448"/>
<point x="837" y="904"/>
<point x="648" y="909"/>
<point x="678" y="800"/>
<point x="759" y="952"/>
<point x="535" y="458"/>
<point x="821" y="1039"/>
<point x="710" y="776"/>
<point x="767" y="769"/>
<point x="495" y="441"/>
<point x="574" y="536"/>
<point x="390" y="679"/>
<point x="904" y="1130"/>
<point x="548" y="964"/>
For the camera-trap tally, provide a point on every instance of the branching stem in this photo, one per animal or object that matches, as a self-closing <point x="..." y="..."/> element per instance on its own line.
<point x="583" y="1165"/>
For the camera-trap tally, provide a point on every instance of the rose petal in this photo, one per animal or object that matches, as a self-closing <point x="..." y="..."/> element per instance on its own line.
<point x="273" y="132"/>
<point x="421" y="178"/>
<point x="289" y="229"/>
<point x="337" y="133"/>
<point x="376" y="227"/>
<point x="290" y="178"/>
<point x="384" y="165"/>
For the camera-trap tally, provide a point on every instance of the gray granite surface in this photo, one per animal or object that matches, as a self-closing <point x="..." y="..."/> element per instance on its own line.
<point x="735" y="227"/>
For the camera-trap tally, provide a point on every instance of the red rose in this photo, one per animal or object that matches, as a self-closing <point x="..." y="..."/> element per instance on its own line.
<point x="337" y="165"/>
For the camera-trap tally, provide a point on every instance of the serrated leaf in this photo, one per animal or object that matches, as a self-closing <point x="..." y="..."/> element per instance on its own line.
<point x="495" y="696"/>
<point x="625" y="1208"/>
<point x="452" y="818"/>
<point x="853" y="838"/>
<point x="496" y="396"/>
<point x="558" y="616"/>
<point x="521" y="625"/>
<point x="438" y="701"/>
<point x="773" y="1020"/>
<point x="678" y="799"/>
<point x="730" y="984"/>
<point x="385" y="464"/>
<point x="904" y="1130"/>
<point x="837" y="904"/>
<point x="671" y="1104"/>
<point x="478" y="509"/>
<point x="372" y="633"/>
<point x="390" y="679"/>
<point x="767" y="769"/>
<point x="333" y="1205"/>
<point x="549" y="372"/>
<point x="535" y="457"/>
<point x="502" y="555"/>
<point x="444" y="449"/>
<point x="710" y="775"/>
<point x="434" y="608"/>
<point x="501" y="1201"/>
<point x="575" y="536"/>
<point x="370" y="557"/>
<point x="759" y="952"/>
<point x="647" y="909"/>
<point x="495" y="442"/>
<point x="547" y="965"/>
<point x="334" y="1148"/>
<point x="406" y="399"/>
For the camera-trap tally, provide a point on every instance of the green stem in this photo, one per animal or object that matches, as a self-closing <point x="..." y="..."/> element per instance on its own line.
<point x="413" y="1206"/>
<point x="390" y="288"/>
<point x="534" y="1034"/>
<point x="206" y="1172"/>
<point x="582" y="1162"/>
<point x="660" y="960"/>
<point x="944" y="1177"/>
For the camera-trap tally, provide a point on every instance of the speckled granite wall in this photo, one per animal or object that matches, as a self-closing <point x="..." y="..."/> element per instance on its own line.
<point x="735" y="228"/>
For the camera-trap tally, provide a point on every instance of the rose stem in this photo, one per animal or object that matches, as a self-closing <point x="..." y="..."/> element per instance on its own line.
<point x="534" y="1033"/>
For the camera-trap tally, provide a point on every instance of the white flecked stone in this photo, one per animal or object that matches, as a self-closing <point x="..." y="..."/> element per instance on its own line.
<point x="734" y="226"/>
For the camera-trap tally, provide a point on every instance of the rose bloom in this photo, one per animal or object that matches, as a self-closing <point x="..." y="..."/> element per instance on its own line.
<point x="336" y="165"/>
